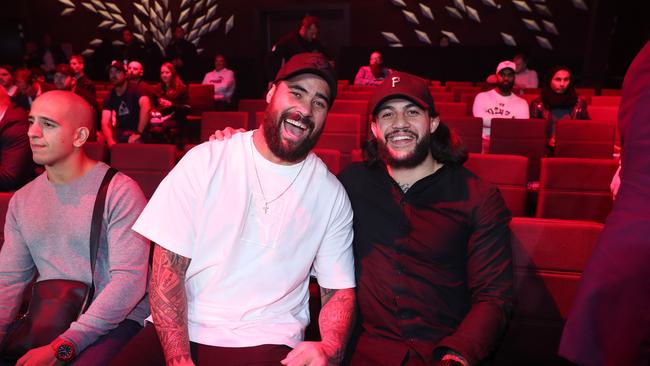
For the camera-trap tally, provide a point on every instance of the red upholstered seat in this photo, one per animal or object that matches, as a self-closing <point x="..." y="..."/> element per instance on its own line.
<point x="251" y="106"/>
<point x="606" y="100"/>
<point x="96" y="150"/>
<point x="508" y="172"/>
<point x="331" y="158"/>
<point x="201" y="98"/>
<point x="584" y="139"/>
<point x="359" y="107"/>
<point x="147" y="164"/>
<point x="576" y="189"/>
<point x="603" y="113"/>
<point x="469" y="129"/>
<point x="212" y="121"/>
<point x="454" y="109"/>
<point x="342" y="133"/>
<point x="548" y="259"/>
<point x="525" y="137"/>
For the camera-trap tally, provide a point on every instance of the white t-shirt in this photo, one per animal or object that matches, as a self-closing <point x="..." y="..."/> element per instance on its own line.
<point x="491" y="104"/>
<point x="247" y="283"/>
<point x="223" y="82"/>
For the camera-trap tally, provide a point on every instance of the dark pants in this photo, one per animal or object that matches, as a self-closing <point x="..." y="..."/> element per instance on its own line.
<point x="102" y="351"/>
<point x="145" y="350"/>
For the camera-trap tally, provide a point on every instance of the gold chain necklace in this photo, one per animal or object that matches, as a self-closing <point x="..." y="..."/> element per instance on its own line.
<point x="259" y="182"/>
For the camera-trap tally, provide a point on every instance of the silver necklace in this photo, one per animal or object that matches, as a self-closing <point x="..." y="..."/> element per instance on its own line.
<point x="259" y="182"/>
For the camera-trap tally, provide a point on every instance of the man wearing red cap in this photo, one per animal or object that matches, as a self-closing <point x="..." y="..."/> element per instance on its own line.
<point x="431" y="240"/>
<point x="239" y="226"/>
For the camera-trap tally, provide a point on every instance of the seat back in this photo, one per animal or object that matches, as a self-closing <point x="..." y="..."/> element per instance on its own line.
<point x="5" y="197"/>
<point x="355" y="95"/>
<point x="331" y="158"/>
<point x="508" y="173"/>
<point x="575" y="189"/>
<point x="341" y="133"/>
<point x="610" y="91"/>
<point x="584" y="139"/>
<point x="603" y="113"/>
<point x="359" y="107"/>
<point x="548" y="259"/>
<point x="251" y="106"/>
<point x="360" y="88"/>
<point x="606" y="100"/>
<point x="212" y="121"/>
<point x="96" y="150"/>
<point x="453" y="84"/>
<point x="442" y="97"/>
<point x="454" y="109"/>
<point x="201" y="98"/>
<point x="525" y="137"/>
<point x="460" y="90"/>
<point x="147" y="164"/>
<point x="469" y="129"/>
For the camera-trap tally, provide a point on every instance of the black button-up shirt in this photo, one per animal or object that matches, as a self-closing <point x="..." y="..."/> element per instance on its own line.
<point x="433" y="264"/>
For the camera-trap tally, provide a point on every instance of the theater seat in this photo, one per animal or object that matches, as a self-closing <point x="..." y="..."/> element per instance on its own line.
<point x="201" y="98"/>
<point x="575" y="189"/>
<point x="4" y="206"/>
<point x="147" y="164"/>
<point x="212" y="121"/>
<point x="251" y="106"/>
<point x="525" y="137"/>
<point x="455" y="109"/>
<point x="97" y="150"/>
<point x="331" y="158"/>
<point x="584" y="139"/>
<point x="548" y="259"/>
<point x="508" y="173"/>
<point x="342" y="133"/>
<point x="469" y="129"/>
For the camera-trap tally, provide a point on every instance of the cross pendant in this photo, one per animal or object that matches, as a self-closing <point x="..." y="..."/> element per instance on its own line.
<point x="266" y="207"/>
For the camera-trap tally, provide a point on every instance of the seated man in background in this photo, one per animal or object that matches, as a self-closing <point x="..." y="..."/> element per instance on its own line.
<point x="48" y="229"/>
<point x="28" y="88"/>
<point x="81" y="80"/>
<point x="431" y="240"/>
<point x="524" y="77"/>
<point x="499" y="102"/>
<point x="223" y="80"/>
<point x="16" y="166"/>
<point x="64" y="79"/>
<point x="125" y="113"/>
<point x="134" y="73"/>
<point x="7" y="80"/>
<point x="558" y="100"/>
<point x="374" y="73"/>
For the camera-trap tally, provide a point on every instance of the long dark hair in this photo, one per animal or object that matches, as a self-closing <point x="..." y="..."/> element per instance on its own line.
<point x="551" y="99"/>
<point x="445" y="145"/>
<point x="177" y="85"/>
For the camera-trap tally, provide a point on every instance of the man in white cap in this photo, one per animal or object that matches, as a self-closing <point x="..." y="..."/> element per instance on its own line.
<point x="499" y="102"/>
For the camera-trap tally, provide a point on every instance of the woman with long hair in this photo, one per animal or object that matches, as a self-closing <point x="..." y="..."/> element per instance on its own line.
<point x="558" y="100"/>
<point x="170" y="102"/>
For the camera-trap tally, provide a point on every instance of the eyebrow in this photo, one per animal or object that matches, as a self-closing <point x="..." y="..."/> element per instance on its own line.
<point x="409" y="105"/>
<point x="43" y="118"/>
<point x="299" y="87"/>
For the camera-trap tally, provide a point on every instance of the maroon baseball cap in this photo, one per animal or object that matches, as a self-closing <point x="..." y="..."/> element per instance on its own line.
<point x="309" y="63"/>
<point x="402" y="85"/>
<point x="119" y="65"/>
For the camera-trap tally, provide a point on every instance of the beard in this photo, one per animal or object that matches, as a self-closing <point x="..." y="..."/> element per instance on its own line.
<point x="413" y="159"/>
<point x="506" y="87"/>
<point x="294" y="152"/>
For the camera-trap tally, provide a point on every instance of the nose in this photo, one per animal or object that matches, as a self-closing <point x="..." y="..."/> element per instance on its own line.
<point x="400" y="121"/>
<point x="304" y="107"/>
<point x="34" y="131"/>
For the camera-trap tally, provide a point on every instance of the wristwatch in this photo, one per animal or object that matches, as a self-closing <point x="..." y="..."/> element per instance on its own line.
<point x="64" y="350"/>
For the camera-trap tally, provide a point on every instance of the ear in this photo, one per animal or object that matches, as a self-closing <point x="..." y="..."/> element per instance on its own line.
<point x="433" y="123"/>
<point x="270" y="94"/>
<point x="374" y="128"/>
<point x="81" y="136"/>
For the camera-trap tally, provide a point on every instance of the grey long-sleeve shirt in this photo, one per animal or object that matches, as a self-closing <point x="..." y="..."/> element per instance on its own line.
<point x="48" y="230"/>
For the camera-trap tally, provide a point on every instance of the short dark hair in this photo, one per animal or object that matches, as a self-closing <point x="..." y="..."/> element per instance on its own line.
<point x="445" y="145"/>
<point x="77" y="57"/>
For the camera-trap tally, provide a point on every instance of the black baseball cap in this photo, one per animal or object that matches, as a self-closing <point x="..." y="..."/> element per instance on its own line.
<point x="309" y="63"/>
<point x="402" y="85"/>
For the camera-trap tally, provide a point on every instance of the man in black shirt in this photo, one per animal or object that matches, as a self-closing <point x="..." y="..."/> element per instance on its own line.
<point x="431" y="240"/>
<point x="125" y="113"/>
<point x="305" y="40"/>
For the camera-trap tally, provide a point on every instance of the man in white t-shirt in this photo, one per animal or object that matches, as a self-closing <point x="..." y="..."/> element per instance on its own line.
<point x="499" y="102"/>
<point x="223" y="80"/>
<point x="239" y="226"/>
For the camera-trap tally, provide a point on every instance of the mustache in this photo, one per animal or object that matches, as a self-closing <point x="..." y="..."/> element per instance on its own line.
<point x="400" y="130"/>
<point x="297" y="116"/>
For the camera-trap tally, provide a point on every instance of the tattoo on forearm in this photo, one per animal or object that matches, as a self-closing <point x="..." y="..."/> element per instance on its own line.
<point x="169" y="303"/>
<point x="336" y="320"/>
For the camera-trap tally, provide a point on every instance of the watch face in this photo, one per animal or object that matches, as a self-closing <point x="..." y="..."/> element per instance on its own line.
<point x="65" y="352"/>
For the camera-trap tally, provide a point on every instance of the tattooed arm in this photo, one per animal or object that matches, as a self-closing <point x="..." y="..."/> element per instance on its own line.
<point x="335" y="321"/>
<point x="169" y="305"/>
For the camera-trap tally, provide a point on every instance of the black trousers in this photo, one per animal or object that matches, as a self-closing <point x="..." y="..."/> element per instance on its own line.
<point x="145" y="350"/>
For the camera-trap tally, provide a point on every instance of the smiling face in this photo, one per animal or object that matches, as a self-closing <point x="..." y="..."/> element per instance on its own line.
<point x="560" y="81"/>
<point x="295" y="116"/>
<point x="402" y="129"/>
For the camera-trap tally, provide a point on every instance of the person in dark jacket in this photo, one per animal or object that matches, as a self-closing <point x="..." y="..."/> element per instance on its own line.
<point x="558" y="100"/>
<point x="16" y="165"/>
